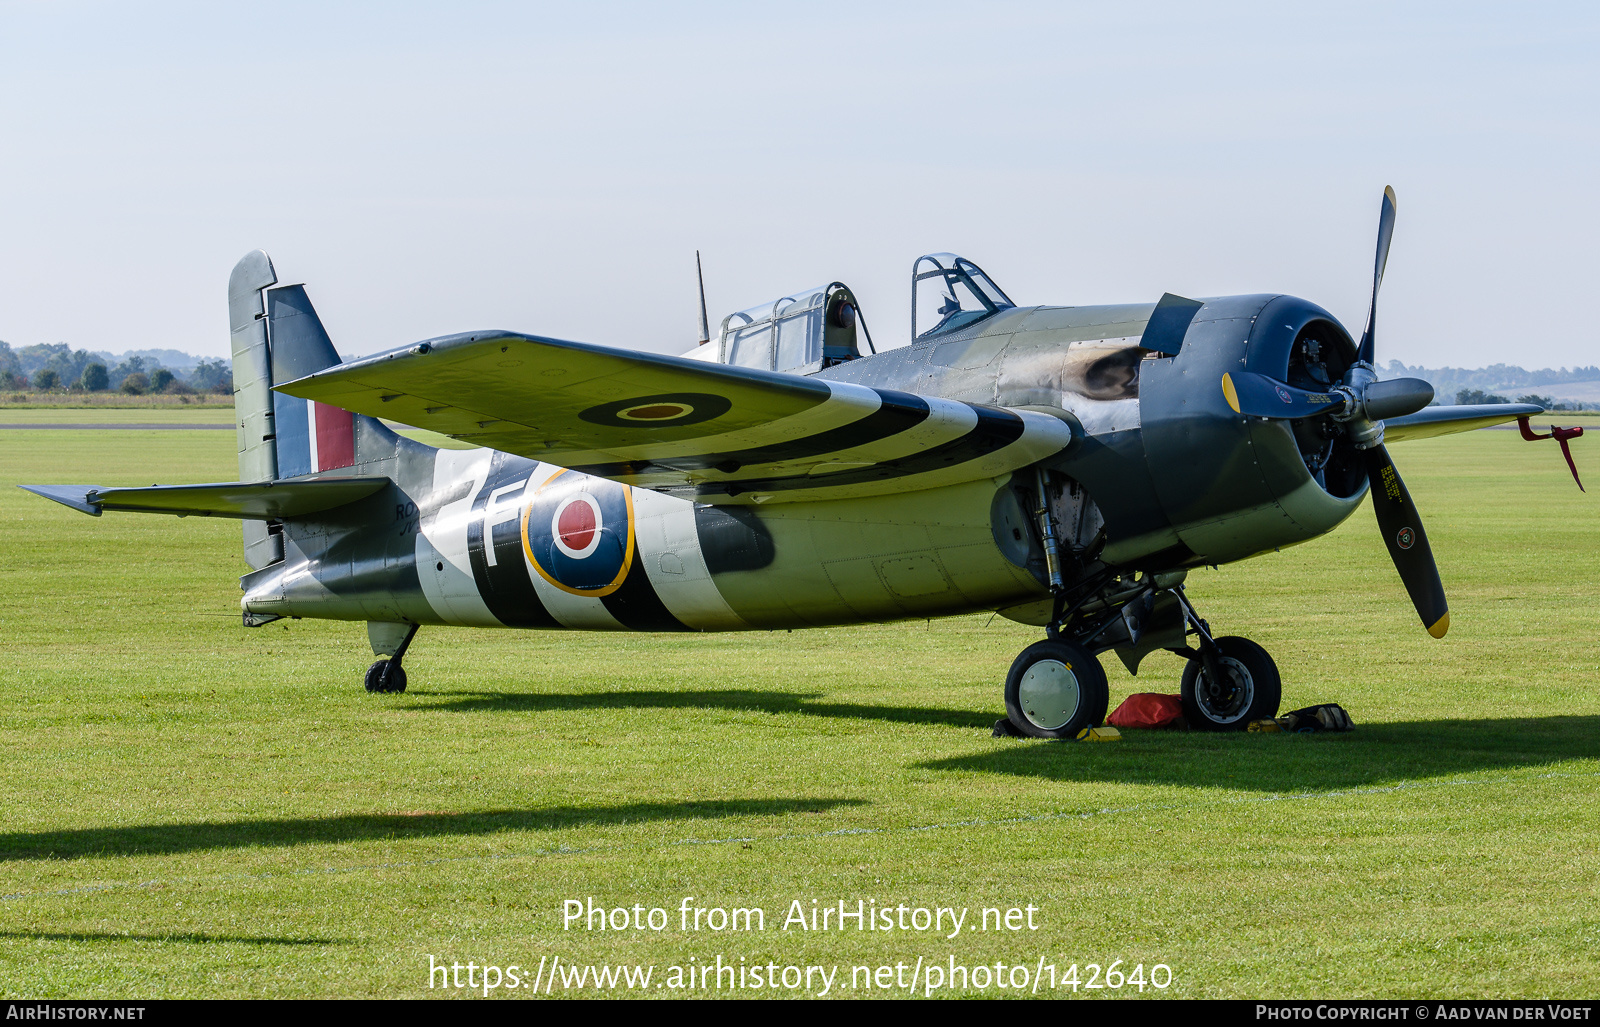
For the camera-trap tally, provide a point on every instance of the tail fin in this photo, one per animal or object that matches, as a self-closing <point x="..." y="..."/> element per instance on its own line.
<point x="252" y="366"/>
<point x="252" y="394"/>
<point x="277" y="337"/>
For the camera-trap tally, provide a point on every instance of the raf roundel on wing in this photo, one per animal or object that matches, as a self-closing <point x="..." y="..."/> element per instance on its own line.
<point x="578" y="533"/>
<point x="671" y="409"/>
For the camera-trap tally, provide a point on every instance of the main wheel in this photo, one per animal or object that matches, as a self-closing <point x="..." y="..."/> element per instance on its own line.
<point x="397" y="678"/>
<point x="1252" y="690"/>
<point x="1055" y="690"/>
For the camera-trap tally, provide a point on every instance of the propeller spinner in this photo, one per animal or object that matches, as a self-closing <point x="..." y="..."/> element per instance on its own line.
<point x="1360" y="403"/>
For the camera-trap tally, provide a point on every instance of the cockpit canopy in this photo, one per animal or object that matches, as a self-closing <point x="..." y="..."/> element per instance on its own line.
<point x="950" y="292"/>
<point x="801" y="332"/>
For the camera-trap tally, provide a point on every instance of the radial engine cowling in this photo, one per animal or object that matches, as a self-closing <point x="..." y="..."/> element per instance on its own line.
<point x="1233" y="486"/>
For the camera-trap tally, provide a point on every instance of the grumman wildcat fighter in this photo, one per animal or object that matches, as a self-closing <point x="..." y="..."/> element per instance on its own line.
<point x="1064" y="466"/>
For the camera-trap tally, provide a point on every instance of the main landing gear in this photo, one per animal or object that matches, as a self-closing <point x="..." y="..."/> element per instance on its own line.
<point x="1057" y="688"/>
<point x="388" y="675"/>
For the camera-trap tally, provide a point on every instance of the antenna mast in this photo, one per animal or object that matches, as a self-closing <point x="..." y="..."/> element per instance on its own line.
<point x="705" y="325"/>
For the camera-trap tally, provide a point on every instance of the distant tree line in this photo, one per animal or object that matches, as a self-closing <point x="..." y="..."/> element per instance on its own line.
<point x="1548" y="402"/>
<point x="1500" y="383"/>
<point x="49" y="367"/>
<point x="46" y="367"/>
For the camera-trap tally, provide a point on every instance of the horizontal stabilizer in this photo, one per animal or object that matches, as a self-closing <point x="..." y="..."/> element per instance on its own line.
<point x="255" y="501"/>
<point x="713" y="433"/>
<point x="1431" y="421"/>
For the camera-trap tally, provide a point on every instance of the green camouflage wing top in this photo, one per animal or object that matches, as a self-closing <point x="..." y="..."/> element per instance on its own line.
<point x="702" y="431"/>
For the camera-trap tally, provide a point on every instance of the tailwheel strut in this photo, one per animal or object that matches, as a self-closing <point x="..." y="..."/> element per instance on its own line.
<point x="388" y="675"/>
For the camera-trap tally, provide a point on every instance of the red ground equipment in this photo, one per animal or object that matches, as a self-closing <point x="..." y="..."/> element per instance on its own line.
<point x="1147" y="710"/>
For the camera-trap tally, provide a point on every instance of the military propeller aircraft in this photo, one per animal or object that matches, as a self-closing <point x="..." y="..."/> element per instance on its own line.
<point x="1065" y="466"/>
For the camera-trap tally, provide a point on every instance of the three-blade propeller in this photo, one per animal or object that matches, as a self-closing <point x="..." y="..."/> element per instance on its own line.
<point x="1362" y="402"/>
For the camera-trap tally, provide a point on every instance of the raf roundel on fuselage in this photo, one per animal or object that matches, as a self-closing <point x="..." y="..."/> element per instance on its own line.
<point x="577" y="532"/>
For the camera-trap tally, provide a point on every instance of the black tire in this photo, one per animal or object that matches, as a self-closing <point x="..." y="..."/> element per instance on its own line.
<point x="374" y="680"/>
<point x="1252" y="692"/>
<point x="1055" y="690"/>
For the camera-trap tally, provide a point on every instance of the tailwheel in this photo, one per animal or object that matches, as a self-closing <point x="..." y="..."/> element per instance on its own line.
<point x="1055" y="690"/>
<point x="386" y="676"/>
<point x="1247" y="687"/>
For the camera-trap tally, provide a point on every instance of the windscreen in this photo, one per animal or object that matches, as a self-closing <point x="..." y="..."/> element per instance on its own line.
<point x="949" y="293"/>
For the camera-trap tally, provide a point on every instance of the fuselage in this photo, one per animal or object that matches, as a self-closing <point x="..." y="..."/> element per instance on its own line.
<point x="1161" y="475"/>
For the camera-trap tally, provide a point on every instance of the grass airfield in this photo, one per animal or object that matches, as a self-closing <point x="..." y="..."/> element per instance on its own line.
<point x="107" y="401"/>
<point x="192" y="809"/>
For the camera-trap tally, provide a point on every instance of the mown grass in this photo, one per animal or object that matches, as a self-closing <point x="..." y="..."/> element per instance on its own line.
<point x="190" y="808"/>
<point x="216" y="413"/>
<point x="114" y="400"/>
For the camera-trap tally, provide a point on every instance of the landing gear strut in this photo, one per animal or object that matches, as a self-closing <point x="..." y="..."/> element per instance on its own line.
<point x="1229" y="681"/>
<point x="1056" y="687"/>
<point x="388" y="675"/>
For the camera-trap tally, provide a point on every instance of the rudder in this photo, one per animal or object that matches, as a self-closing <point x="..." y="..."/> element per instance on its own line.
<point x="277" y="337"/>
<point x="311" y="436"/>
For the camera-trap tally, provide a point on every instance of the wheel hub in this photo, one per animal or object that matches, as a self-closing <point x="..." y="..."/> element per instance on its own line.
<point x="1049" y="694"/>
<point x="1226" y="701"/>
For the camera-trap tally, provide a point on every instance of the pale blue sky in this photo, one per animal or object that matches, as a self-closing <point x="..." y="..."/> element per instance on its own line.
<point x="437" y="168"/>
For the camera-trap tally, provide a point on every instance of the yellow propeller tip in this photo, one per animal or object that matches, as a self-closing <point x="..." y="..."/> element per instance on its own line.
<point x="1440" y="626"/>
<point x="1229" y="393"/>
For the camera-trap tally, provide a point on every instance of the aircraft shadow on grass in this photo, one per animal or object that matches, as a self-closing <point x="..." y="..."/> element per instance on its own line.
<point x="1372" y="754"/>
<point x="746" y="700"/>
<point x="187" y="938"/>
<point x="166" y="839"/>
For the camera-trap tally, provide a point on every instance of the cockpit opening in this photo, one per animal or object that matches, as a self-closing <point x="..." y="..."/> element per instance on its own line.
<point x="949" y="293"/>
<point x="799" y="333"/>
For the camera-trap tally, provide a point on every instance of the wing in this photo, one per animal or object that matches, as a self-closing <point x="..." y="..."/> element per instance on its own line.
<point x="263" y="500"/>
<point x="1431" y="421"/>
<point x="707" y="432"/>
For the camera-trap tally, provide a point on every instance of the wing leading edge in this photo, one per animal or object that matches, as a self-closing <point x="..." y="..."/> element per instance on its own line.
<point x="712" y="433"/>
<point x="1442" y="420"/>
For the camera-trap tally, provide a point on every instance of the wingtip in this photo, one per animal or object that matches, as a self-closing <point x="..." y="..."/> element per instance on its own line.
<point x="1229" y="393"/>
<point x="74" y="496"/>
<point x="1438" y="628"/>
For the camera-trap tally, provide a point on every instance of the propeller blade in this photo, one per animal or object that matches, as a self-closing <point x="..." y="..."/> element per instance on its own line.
<point x="1385" y="234"/>
<point x="1401" y="526"/>
<point x="1260" y="396"/>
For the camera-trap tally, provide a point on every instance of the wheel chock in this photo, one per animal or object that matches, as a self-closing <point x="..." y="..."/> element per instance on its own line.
<point x="1099" y="734"/>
